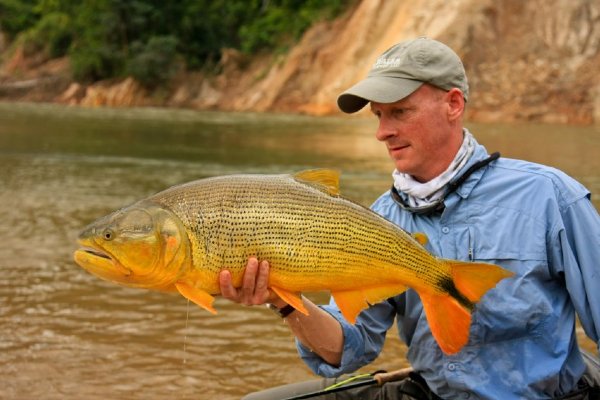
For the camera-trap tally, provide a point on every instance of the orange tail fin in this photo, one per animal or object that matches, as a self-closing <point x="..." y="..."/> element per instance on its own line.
<point x="474" y="279"/>
<point x="449" y="315"/>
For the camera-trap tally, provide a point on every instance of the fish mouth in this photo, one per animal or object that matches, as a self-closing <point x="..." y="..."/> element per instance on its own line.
<point x="100" y="262"/>
<point x="95" y="252"/>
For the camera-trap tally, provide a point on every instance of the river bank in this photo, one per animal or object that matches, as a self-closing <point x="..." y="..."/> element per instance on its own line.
<point x="526" y="61"/>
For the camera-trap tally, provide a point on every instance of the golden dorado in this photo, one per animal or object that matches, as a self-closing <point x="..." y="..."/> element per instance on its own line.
<point x="314" y="239"/>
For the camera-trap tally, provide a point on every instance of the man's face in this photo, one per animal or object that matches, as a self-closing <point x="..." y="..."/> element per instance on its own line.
<point x="417" y="132"/>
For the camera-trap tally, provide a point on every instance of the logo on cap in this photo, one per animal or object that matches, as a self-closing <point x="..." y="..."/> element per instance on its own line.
<point x="384" y="62"/>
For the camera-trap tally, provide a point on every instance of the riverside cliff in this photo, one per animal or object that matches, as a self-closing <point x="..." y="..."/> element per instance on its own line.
<point x="537" y="60"/>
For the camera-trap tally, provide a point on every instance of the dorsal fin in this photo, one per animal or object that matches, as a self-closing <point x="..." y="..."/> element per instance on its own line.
<point x="421" y="238"/>
<point x="326" y="180"/>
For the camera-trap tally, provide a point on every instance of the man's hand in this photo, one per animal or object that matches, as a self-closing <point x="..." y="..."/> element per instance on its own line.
<point x="254" y="290"/>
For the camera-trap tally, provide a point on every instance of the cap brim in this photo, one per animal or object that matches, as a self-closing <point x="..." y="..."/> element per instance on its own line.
<point x="380" y="89"/>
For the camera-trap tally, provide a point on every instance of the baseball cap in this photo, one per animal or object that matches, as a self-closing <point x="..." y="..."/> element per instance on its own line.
<point x="402" y="69"/>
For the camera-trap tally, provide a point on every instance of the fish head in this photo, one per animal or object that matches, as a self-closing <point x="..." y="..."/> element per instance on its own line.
<point x="144" y="245"/>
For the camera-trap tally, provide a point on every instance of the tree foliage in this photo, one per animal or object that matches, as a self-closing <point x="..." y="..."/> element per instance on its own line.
<point x="17" y="16"/>
<point x="147" y="38"/>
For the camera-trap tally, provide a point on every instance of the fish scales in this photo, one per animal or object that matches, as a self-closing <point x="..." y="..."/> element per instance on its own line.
<point x="300" y="229"/>
<point x="182" y="238"/>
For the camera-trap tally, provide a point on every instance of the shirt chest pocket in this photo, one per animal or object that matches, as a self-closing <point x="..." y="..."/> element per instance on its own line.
<point x="502" y="235"/>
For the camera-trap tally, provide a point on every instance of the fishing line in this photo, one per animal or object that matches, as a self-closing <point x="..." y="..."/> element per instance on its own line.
<point x="349" y="380"/>
<point x="185" y="384"/>
<point x="187" y="318"/>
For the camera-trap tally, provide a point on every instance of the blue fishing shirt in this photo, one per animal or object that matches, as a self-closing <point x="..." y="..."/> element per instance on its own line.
<point x="530" y="219"/>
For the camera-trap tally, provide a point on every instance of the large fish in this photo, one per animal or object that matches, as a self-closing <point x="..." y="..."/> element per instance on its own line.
<point x="315" y="240"/>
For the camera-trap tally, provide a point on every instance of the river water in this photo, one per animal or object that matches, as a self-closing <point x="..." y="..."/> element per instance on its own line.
<point x="65" y="334"/>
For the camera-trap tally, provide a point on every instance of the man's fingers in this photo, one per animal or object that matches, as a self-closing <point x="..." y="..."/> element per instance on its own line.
<point x="227" y="289"/>
<point x="249" y="281"/>
<point x="262" y="278"/>
<point x="255" y="284"/>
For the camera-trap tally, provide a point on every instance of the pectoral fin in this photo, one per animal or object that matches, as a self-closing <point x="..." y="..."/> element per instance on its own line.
<point x="292" y="299"/>
<point x="352" y="302"/>
<point x="198" y="296"/>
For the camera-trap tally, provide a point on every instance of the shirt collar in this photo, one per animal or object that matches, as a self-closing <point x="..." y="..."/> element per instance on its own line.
<point x="467" y="187"/>
<point x="469" y="177"/>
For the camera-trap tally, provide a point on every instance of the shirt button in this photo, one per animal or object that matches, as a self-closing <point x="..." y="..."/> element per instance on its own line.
<point x="451" y="367"/>
<point x="445" y="229"/>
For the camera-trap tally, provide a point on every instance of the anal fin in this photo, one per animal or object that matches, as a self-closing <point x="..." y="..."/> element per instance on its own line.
<point x="198" y="296"/>
<point x="352" y="302"/>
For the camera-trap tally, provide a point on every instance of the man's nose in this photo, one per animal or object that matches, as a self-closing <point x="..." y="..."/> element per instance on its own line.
<point x="385" y="130"/>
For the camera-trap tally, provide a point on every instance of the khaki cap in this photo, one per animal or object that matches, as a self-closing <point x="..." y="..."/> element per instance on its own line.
<point x="402" y="69"/>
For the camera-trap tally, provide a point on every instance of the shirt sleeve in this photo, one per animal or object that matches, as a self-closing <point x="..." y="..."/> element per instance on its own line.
<point x="577" y="256"/>
<point x="363" y="341"/>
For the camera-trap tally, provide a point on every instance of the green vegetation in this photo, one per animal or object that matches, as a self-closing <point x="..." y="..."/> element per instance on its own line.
<point x="148" y="39"/>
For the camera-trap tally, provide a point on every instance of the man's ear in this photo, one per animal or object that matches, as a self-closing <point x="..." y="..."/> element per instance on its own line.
<point x="456" y="104"/>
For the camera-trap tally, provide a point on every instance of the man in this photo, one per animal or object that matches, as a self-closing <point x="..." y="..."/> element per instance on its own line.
<point x="530" y="219"/>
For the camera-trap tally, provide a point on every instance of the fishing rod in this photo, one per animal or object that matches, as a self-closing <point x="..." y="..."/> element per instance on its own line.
<point x="378" y="378"/>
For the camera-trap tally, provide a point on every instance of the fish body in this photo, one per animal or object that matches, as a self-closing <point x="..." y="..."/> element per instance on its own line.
<point x="314" y="239"/>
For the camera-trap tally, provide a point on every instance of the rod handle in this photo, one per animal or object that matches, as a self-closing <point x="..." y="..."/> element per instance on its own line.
<point x="384" y="377"/>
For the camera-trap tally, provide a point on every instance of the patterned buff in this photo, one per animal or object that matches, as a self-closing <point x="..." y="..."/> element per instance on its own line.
<point x="424" y="194"/>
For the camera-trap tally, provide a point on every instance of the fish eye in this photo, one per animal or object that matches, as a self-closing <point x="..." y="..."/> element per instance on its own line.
<point x="108" y="234"/>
